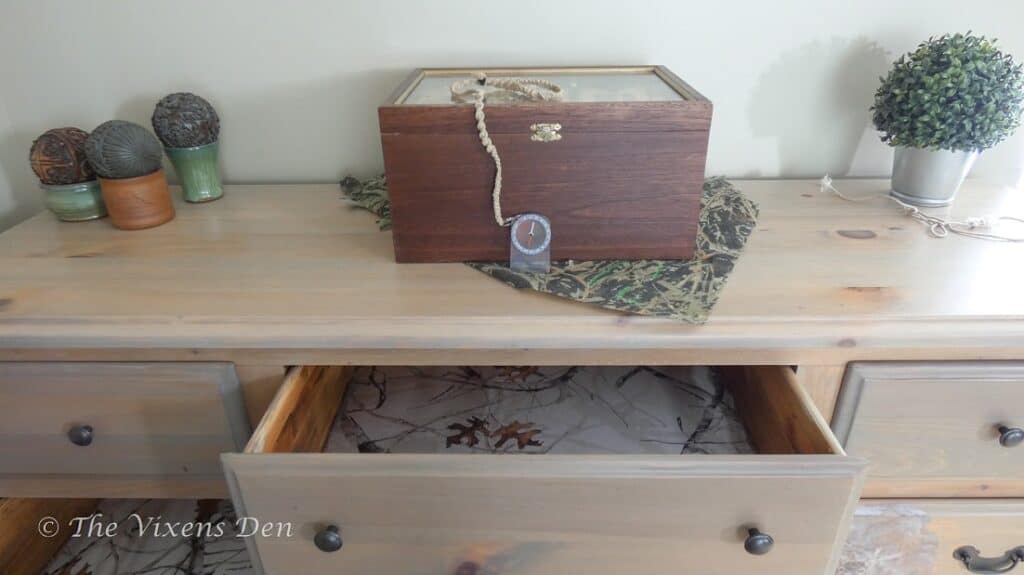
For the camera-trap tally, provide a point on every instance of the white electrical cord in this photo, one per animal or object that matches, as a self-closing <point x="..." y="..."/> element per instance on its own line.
<point x="478" y="90"/>
<point x="938" y="227"/>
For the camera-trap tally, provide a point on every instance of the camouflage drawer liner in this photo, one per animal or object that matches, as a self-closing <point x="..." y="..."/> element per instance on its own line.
<point x="538" y="410"/>
<point x="684" y="290"/>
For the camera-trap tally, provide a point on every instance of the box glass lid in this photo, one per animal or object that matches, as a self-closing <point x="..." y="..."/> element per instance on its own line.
<point x="631" y="84"/>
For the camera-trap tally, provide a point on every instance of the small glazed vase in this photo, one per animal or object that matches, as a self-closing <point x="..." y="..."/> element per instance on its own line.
<point x="197" y="171"/>
<point x="138" y="203"/>
<point x="75" y="202"/>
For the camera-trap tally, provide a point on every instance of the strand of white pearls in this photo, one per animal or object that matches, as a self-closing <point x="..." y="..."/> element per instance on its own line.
<point x="476" y="92"/>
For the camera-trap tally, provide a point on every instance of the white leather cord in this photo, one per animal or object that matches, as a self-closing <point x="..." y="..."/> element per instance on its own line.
<point x="476" y="92"/>
<point x="938" y="227"/>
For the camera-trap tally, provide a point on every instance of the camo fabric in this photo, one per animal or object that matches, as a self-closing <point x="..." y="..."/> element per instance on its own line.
<point x="370" y="195"/>
<point x="538" y="409"/>
<point x="684" y="290"/>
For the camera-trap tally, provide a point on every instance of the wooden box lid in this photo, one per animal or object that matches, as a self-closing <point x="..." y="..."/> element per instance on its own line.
<point x="599" y="99"/>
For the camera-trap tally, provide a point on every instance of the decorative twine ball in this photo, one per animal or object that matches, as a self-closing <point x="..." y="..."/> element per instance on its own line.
<point x="184" y="120"/>
<point x="58" y="157"/>
<point x="119" y="149"/>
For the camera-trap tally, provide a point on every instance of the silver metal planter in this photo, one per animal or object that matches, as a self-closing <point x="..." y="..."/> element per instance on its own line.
<point x="929" y="178"/>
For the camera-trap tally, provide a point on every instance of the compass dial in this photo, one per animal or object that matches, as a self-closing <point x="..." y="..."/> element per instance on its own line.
<point x="531" y="234"/>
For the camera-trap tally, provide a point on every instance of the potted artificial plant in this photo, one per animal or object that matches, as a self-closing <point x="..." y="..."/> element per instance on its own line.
<point x="940" y="106"/>
<point x="189" y="128"/>
<point x="129" y="162"/>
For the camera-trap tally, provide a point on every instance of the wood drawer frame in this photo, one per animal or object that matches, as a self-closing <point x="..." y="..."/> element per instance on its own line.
<point x="285" y="449"/>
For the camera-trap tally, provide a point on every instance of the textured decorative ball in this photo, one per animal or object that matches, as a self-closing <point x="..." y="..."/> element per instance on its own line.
<point x="58" y="157"/>
<point x="119" y="149"/>
<point x="184" y="120"/>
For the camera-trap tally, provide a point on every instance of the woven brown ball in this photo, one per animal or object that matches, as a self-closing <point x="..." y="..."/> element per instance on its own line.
<point x="58" y="157"/>
<point x="185" y="120"/>
<point x="119" y="149"/>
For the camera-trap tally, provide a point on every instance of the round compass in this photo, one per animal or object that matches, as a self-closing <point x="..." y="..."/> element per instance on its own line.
<point x="531" y="234"/>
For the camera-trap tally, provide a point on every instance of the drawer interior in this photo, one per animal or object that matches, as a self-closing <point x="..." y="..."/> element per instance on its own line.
<point x="544" y="410"/>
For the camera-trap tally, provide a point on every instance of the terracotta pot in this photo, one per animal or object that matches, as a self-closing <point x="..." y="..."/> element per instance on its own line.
<point x="138" y="203"/>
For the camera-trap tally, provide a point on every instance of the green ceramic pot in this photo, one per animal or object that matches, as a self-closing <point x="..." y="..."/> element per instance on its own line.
<point x="76" y="202"/>
<point x="197" y="172"/>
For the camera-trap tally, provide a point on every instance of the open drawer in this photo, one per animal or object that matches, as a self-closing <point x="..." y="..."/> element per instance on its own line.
<point x="782" y="508"/>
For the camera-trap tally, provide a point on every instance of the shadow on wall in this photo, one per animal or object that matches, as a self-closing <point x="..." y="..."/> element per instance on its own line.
<point x="291" y="132"/>
<point x="283" y="133"/>
<point x="1003" y="164"/>
<point x="814" y="101"/>
<point x="26" y="197"/>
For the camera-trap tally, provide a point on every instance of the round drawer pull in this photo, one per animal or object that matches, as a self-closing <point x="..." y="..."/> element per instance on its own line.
<point x="328" y="540"/>
<point x="1010" y="436"/>
<point x="758" y="543"/>
<point x="975" y="563"/>
<point x="80" y="435"/>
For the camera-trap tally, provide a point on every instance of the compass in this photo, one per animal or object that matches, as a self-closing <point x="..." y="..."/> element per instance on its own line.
<point x="531" y="244"/>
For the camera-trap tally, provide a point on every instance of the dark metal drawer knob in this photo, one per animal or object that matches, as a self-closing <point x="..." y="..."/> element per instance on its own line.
<point x="80" y="435"/>
<point x="975" y="563"/>
<point x="758" y="543"/>
<point x="1010" y="436"/>
<point x="328" y="540"/>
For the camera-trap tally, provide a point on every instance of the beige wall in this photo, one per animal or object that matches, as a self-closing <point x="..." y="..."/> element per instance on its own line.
<point x="9" y="211"/>
<point x="297" y="82"/>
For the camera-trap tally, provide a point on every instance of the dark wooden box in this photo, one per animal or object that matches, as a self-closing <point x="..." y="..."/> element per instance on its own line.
<point x="623" y="182"/>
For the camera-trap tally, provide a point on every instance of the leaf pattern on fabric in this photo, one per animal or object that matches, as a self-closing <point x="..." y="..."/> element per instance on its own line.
<point x="370" y="195"/>
<point x="467" y="434"/>
<point x="531" y="410"/>
<point x="684" y="290"/>
<point x="521" y="433"/>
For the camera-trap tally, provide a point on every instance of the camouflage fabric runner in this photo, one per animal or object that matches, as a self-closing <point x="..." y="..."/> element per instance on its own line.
<point x="370" y="195"/>
<point x="684" y="290"/>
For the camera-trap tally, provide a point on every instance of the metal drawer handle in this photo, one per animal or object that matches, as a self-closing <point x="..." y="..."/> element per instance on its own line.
<point x="328" y="539"/>
<point x="80" y="435"/>
<point x="975" y="563"/>
<point x="1010" y="436"/>
<point x="758" y="543"/>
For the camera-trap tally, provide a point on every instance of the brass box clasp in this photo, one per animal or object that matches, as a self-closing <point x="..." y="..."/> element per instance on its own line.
<point x="546" y="132"/>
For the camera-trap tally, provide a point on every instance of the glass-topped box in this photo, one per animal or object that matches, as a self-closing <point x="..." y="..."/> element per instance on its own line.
<point x="612" y="157"/>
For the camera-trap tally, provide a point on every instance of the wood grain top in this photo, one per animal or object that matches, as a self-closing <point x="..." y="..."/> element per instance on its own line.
<point x="291" y="273"/>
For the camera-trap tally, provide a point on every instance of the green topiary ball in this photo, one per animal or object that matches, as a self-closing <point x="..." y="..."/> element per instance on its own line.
<point x="58" y="157"/>
<point x="119" y="149"/>
<point x="184" y="120"/>
<point x="955" y="92"/>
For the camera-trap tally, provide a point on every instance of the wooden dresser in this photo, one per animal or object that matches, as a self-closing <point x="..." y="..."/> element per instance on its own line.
<point x="868" y="357"/>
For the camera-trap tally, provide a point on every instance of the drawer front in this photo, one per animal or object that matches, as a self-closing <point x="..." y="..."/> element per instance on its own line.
<point x="932" y="429"/>
<point x="147" y="419"/>
<point x="520" y="515"/>
<point x="539" y="514"/>
<point x="916" y="537"/>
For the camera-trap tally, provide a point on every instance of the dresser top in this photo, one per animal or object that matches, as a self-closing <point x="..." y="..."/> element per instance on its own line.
<point x="292" y="273"/>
